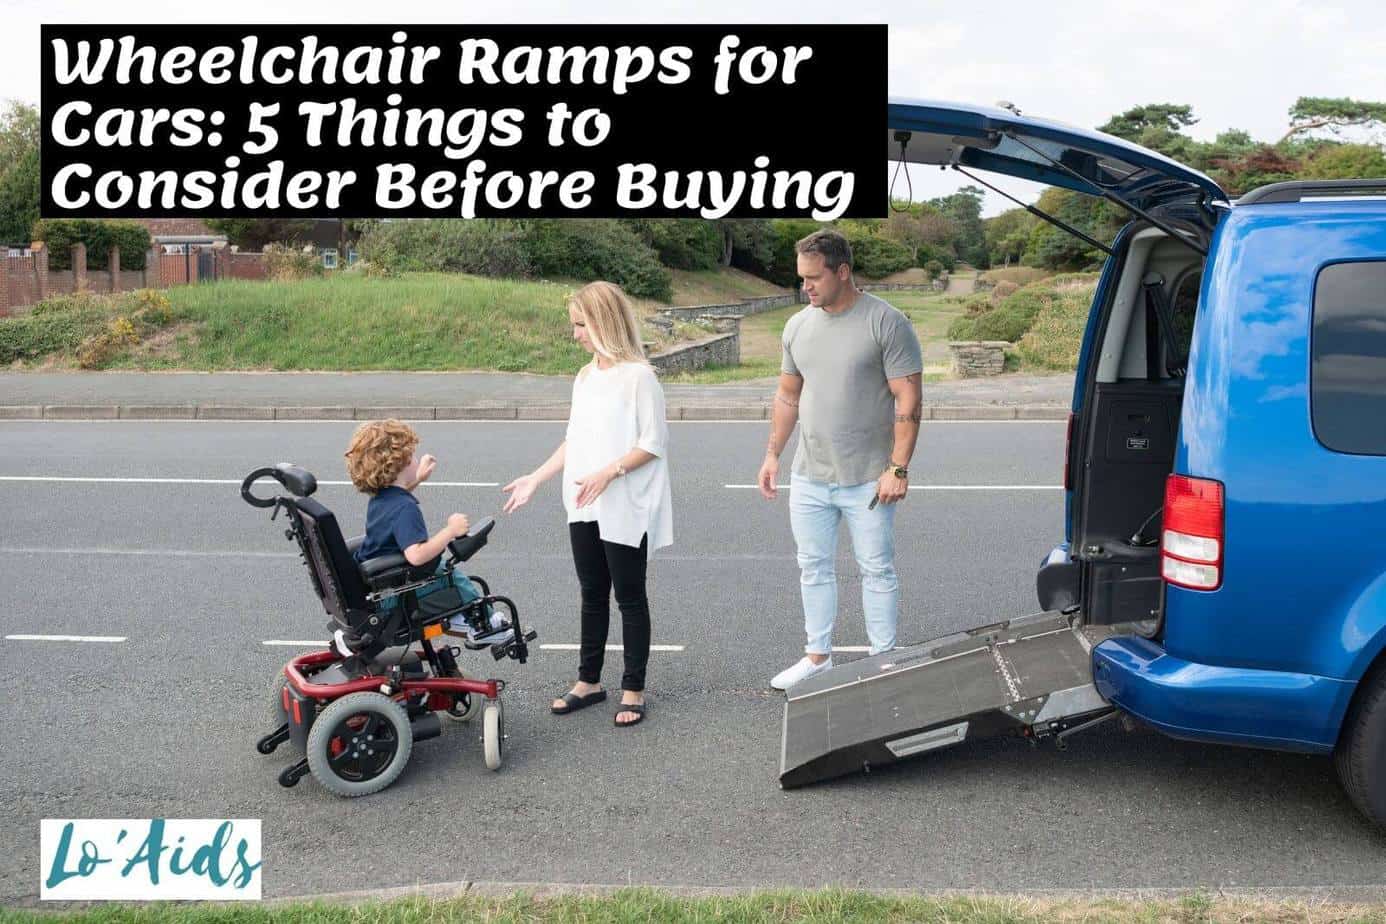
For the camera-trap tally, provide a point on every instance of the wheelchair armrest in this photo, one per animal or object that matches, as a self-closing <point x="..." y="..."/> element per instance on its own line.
<point x="385" y="571"/>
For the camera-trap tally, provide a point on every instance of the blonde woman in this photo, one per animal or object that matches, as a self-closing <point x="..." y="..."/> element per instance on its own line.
<point x="615" y="490"/>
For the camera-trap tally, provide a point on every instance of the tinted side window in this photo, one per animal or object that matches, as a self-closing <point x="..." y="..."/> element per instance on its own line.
<point x="1348" y="378"/>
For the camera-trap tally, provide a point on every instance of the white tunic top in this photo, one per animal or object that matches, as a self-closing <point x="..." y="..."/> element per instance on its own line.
<point x="614" y="411"/>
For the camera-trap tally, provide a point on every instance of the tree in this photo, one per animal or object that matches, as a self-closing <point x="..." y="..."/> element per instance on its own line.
<point x="1007" y="235"/>
<point x="1137" y="121"/>
<point x="964" y="209"/>
<point x="1345" y="162"/>
<point x="919" y="226"/>
<point x="19" y="171"/>
<point x="1311" y="113"/>
<point x="255" y="233"/>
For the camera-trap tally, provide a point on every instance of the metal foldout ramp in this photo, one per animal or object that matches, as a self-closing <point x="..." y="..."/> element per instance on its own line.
<point x="1030" y="674"/>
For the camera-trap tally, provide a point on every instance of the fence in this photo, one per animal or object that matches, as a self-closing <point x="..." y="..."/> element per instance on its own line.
<point x="28" y="280"/>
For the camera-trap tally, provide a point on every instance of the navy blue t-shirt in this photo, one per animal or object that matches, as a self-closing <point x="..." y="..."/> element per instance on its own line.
<point x="394" y="522"/>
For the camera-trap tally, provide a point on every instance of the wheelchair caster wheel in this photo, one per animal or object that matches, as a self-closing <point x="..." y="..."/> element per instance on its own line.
<point x="465" y="708"/>
<point x="359" y="744"/>
<point x="290" y="776"/>
<point x="274" y="739"/>
<point x="493" y="734"/>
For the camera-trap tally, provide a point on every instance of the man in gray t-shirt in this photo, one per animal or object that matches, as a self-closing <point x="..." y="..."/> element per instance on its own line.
<point x="850" y="377"/>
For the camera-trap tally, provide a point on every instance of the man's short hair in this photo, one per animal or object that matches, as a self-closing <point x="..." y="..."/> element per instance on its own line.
<point x="830" y="245"/>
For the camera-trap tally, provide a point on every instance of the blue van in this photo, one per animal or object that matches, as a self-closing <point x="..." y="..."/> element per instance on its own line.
<point x="1223" y="571"/>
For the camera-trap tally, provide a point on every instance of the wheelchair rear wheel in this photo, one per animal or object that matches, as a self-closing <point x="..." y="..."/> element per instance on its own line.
<point x="359" y="744"/>
<point x="493" y="733"/>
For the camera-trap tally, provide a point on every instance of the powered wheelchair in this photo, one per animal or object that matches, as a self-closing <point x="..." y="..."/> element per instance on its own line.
<point x="356" y="709"/>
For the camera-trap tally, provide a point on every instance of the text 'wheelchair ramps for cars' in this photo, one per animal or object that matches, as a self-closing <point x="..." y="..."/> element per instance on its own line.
<point x="1031" y="675"/>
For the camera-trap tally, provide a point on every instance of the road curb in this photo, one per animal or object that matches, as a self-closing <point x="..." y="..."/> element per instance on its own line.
<point x="537" y="411"/>
<point x="1359" y="894"/>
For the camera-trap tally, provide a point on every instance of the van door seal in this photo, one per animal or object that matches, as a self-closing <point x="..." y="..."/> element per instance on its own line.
<point x="1061" y="225"/>
<point x="1112" y="197"/>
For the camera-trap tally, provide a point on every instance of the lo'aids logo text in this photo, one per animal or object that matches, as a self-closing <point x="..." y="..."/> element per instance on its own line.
<point x="144" y="859"/>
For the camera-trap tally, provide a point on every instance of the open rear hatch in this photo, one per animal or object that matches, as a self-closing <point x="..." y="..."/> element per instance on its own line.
<point x="1029" y="676"/>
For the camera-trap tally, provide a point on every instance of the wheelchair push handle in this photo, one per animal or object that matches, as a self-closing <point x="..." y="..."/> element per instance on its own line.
<point x="464" y="547"/>
<point x="300" y="482"/>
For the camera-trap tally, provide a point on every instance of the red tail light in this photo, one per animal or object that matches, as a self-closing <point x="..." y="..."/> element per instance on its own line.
<point x="1068" y="453"/>
<point x="1191" y="543"/>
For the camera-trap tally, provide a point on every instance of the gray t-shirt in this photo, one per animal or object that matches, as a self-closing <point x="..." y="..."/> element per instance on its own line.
<point x="846" y="410"/>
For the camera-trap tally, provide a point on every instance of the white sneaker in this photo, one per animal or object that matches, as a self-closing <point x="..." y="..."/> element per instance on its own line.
<point x="802" y="670"/>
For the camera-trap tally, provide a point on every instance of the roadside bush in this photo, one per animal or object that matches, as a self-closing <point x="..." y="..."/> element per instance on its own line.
<point x="934" y="268"/>
<point x="449" y="245"/>
<point x="285" y="262"/>
<point x="1045" y="319"/>
<point x="54" y="325"/>
<point x="1003" y="289"/>
<point x="594" y="249"/>
<point x="59" y="234"/>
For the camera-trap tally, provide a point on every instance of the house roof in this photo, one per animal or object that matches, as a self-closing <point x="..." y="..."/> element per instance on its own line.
<point x="175" y="229"/>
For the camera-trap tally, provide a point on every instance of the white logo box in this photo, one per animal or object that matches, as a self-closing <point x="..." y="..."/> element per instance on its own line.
<point x="149" y="859"/>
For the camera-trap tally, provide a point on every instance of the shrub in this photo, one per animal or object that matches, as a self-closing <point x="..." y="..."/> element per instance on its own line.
<point x="1020" y="275"/>
<point x="875" y="257"/>
<point x="594" y="249"/>
<point x="451" y="245"/>
<point x="59" y="234"/>
<point x="1056" y="333"/>
<point x="682" y="243"/>
<point x="1003" y="289"/>
<point x="54" y="325"/>
<point x="934" y="268"/>
<point x="285" y="262"/>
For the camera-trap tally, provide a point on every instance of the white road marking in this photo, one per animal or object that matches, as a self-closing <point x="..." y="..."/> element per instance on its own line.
<point x="66" y="638"/>
<point x="936" y="487"/>
<point x="851" y="648"/>
<point x="158" y="553"/>
<point x="263" y="483"/>
<point x="565" y="646"/>
<point x="292" y="643"/>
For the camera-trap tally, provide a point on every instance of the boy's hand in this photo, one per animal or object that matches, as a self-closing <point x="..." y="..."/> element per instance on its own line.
<point x="458" y="524"/>
<point x="426" y="466"/>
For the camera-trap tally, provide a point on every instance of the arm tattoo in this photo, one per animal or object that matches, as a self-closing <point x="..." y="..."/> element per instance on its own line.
<point x="785" y="399"/>
<point x="915" y="417"/>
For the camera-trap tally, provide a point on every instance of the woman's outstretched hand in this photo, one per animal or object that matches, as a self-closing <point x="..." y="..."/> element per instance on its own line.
<point x="520" y="491"/>
<point x="591" y="487"/>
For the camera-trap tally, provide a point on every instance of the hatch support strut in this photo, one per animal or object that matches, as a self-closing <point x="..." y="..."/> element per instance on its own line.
<point x="1112" y="197"/>
<point x="1045" y="216"/>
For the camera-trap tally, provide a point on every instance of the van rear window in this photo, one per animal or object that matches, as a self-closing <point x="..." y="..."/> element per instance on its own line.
<point x="1348" y="378"/>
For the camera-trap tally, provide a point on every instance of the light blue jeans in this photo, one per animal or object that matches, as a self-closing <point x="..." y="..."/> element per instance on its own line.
<point x="815" y="510"/>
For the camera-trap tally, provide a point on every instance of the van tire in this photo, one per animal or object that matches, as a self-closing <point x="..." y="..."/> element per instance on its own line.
<point x="1360" y="757"/>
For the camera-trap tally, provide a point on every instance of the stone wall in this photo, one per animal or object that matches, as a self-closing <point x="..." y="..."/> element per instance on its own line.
<point x="974" y="358"/>
<point x="900" y="286"/>
<point x="717" y="350"/>
<point x="741" y="309"/>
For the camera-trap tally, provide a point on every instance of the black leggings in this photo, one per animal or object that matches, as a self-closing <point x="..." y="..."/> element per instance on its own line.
<point x="602" y="567"/>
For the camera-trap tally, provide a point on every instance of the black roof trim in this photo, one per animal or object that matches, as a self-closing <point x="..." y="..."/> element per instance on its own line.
<point x="1295" y="190"/>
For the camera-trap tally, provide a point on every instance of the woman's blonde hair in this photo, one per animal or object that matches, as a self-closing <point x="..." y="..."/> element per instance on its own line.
<point x="610" y="320"/>
<point x="379" y="451"/>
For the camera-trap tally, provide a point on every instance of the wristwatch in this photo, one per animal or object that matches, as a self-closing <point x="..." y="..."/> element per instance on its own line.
<point x="620" y="470"/>
<point x="899" y="471"/>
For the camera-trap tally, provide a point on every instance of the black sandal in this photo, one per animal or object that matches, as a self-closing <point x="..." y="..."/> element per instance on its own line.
<point x="637" y="708"/>
<point x="575" y="702"/>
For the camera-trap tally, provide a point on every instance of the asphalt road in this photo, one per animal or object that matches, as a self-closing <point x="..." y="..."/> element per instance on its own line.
<point x="164" y="723"/>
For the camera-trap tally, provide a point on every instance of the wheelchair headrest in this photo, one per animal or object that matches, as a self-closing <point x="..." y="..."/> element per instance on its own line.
<point x="299" y="482"/>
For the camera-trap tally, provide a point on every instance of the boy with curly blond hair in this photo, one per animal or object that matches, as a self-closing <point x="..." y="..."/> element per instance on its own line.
<point x="382" y="462"/>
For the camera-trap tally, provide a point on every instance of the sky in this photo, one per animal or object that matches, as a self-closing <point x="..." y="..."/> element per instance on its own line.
<point x="1240" y="64"/>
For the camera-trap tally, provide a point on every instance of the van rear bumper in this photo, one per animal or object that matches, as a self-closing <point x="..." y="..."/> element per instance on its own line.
<point x="1224" y="705"/>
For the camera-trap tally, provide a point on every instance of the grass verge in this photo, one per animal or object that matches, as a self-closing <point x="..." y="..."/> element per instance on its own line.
<point x="650" y="905"/>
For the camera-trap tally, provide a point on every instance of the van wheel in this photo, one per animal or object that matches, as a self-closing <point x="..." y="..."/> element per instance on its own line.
<point x="1360" y="757"/>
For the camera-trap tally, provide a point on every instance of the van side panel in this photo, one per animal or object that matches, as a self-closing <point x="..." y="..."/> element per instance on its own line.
<point x="1304" y="579"/>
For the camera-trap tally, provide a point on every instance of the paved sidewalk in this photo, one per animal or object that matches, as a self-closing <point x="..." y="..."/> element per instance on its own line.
<point x="446" y="396"/>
